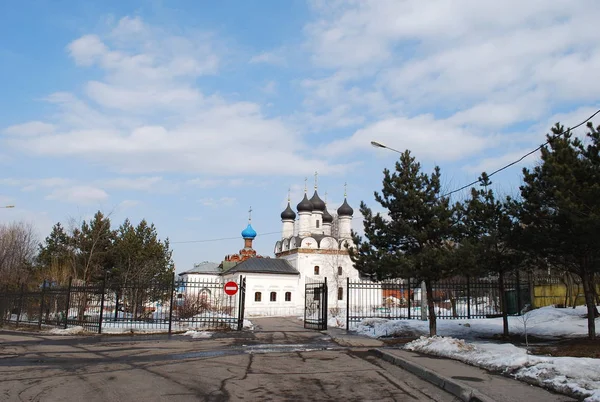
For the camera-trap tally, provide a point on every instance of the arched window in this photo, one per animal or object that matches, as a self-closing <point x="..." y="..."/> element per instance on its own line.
<point x="288" y="296"/>
<point x="257" y="296"/>
<point x="316" y="270"/>
<point x="340" y="271"/>
<point x="317" y="224"/>
<point x="340" y="293"/>
<point x="273" y="296"/>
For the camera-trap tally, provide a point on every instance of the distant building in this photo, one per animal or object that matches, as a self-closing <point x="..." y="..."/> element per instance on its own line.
<point x="312" y="248"/>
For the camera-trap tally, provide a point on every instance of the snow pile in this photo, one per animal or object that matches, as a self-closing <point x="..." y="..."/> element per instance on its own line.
<point x="575" y="375"/>
<point x="545" y="322"/>
<point x="68" y="331"/>
<point x="198" y="334"/>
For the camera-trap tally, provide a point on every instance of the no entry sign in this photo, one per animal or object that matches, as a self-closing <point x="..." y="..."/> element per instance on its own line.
<point x="231" y="288"/>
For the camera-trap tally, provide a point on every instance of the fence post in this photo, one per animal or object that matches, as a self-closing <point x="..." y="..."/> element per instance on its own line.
<point x="241" y="303"/>
<point x="408" y="298"/>
<point x="102" y="305"/>
<point x="21" y="297"/>
<point x="171" y="303"/>
<point x="42" y="305"/>
<point x="519" y="301"/>
<point x="423" y="301"/>
<point x="468" y="297"/>
<point x="68" y="302"/>
<point x="325" y="305"/>
<point x="347" y="304"/>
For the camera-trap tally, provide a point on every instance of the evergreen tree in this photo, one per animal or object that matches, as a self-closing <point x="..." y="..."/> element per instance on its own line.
<point x="140" y="256"/>
<point x="561" y="208"/>
<point x="55" y="256"/>
<point x="416" y="240"/>
<point x="93" y="243"/>
<point x="488" y="230"/>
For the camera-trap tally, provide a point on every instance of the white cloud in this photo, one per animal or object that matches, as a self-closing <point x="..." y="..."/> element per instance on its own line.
<point x="126" y="204"/>
<point x="30" y="129"/>
<point x="267" y="58"/>
<point x="270" y="88"/>
<point x="477" y="68"/>
<point x="426" y="137"/>
<point x="143" y="183"/>
<point x="79" y="195"/>
<point x="147" y="115"/>
<point x="219" y="202"/>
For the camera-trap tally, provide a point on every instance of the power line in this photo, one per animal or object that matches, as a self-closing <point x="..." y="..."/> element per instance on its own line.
<point x="236" y="237"/>
<point x="524" y="156"/>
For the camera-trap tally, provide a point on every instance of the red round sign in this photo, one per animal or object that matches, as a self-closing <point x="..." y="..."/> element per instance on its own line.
<point x="231" y="288"/>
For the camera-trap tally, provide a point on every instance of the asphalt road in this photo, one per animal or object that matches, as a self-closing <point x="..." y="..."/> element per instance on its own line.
<point x="279" y="361"/>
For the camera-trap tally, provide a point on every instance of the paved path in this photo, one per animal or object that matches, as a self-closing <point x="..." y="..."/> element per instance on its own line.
<point x="278" y="362"/>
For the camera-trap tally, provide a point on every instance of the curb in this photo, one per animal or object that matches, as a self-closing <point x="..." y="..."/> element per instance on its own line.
<point x="462" y="391"/>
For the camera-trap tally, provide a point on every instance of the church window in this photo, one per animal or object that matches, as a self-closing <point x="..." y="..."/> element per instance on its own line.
<point x="317" y="224"/>
<point x="273" y="296"/>
<point x="288" y="296"/>
<point x="257" y="296"/>
<point x="340" y="293"/>
<point x="316" y="270"/>
<point x="340" y="271"/>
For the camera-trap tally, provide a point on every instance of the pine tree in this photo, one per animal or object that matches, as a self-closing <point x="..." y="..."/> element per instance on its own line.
<point x="416" y="240"/>
<point x="488" y="229"/>
<point x="561" y="208"/>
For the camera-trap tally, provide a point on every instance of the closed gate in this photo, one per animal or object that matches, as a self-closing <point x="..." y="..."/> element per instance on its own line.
<point x="315" y="305"/>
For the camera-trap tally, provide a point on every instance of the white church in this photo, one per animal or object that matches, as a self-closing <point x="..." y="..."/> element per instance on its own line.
<point x="313" y="246"/>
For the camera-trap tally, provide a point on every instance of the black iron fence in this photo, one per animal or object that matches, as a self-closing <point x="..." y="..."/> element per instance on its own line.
<point x="174" y="306"/>
<point x="454" y="298"/>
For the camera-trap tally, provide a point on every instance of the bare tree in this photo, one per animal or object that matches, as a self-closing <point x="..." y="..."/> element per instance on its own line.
<point x="18" y="247"/>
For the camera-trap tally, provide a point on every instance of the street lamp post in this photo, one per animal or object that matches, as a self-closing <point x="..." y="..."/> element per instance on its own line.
<point x="380" y="145"/>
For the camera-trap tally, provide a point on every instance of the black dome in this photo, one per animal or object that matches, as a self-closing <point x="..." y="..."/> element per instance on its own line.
<point x="288" y="213"/>
<point x="305" y="205"/>
<point x="345" y="209"/>
<point x="327" y="218"/>
<point x="317" y="203"/>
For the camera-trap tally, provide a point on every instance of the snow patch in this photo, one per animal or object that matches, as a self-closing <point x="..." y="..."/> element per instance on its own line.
<point x="198" y="334"/>
<point x="68" y="331"/>
<point x="575" y="375"/>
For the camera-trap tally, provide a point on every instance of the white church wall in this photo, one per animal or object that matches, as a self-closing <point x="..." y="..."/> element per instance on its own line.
<point x="266" y="285"/>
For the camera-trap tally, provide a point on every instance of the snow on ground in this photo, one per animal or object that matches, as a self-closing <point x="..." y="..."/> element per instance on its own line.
<point x="545" y="322"/>
<point x="578" y="376"/>
<point x="575" y="375"/>
<point x="68" y="331"/>
<point x="198" y="334"/>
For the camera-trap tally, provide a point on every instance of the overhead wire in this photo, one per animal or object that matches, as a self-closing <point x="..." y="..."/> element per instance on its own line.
<point x="237" y="237"/>
<point x="524" y="156"/>
<point x="444" y="195"/>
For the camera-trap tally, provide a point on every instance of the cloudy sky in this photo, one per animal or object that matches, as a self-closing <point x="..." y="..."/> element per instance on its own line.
<point x="187" y="113"/>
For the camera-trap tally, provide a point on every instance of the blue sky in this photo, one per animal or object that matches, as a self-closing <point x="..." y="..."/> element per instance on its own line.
<point x="187" y="113"/>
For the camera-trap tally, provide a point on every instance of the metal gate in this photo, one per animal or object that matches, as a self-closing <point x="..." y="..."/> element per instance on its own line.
<point x="315" y="305"/>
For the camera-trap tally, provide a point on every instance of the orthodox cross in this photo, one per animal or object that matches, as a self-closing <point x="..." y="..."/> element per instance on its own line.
<point x="289" y="192"/>
<point x="305" y="180"/>
<point x="250" y="215"/>
<point x="316" y="174"/>
<point x="345" y="190"/>
<point x="325" y="197"/>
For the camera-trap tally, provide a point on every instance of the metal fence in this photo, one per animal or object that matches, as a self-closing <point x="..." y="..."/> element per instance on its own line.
<point x="454" y="298"/>
<point x="174" y="306"/>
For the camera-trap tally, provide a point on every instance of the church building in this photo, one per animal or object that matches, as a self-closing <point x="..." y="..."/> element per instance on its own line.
<point x="312" y="248"/>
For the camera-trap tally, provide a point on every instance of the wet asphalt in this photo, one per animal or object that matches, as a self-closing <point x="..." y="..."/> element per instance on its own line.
<point x="278" y="361"/>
